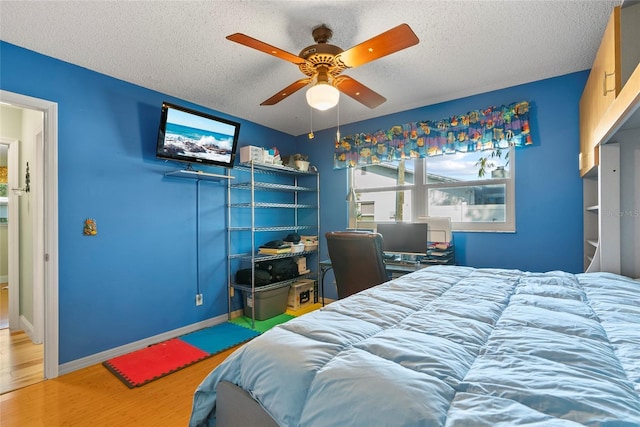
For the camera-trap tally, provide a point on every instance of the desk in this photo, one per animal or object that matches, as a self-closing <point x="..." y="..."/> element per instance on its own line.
<point x="402" y="268"/>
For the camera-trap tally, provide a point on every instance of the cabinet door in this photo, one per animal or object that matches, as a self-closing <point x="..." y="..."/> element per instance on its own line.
<point x="603" y="85"/>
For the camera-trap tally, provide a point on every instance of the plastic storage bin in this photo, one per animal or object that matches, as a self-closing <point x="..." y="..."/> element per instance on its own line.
<point x="268" y="304"/>
<point x="251" y="153"/>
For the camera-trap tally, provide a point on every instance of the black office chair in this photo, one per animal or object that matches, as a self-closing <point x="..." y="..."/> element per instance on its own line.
<point x="357" y="261"/>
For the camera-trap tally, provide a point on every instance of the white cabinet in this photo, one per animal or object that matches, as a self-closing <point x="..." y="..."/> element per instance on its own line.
<point x="591" y="217"/>
<point x="602" y="219"/>
<point x="612" y="206"/>
<point x="629" y="141"/>
<point x="611" y="190"/>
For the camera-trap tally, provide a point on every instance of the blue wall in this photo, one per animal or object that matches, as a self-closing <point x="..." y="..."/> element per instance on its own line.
<point x="548" y="186"/>
<point x="137" y="277"/>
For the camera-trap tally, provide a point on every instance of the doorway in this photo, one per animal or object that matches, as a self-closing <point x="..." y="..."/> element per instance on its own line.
<point x="39" y="316"/>
<point x="21" y="348"/>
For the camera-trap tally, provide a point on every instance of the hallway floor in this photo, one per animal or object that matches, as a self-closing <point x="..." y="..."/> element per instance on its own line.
<point x="4" y="305"/>
<point x="21" y="361"/>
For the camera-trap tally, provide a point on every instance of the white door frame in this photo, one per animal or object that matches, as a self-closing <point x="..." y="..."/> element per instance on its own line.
<point x="13" y="232"/>
<point x="46" y="261"/>
<point x="38" y="218"/>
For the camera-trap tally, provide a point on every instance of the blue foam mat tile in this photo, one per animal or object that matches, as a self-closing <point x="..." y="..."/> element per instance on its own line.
<point x="220" y="337"/>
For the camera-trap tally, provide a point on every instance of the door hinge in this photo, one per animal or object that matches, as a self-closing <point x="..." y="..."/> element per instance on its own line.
<point x="46" y="257"/>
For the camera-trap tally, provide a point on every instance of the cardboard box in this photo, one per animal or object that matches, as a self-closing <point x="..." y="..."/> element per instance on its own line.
<point x="302" y="264"/>
<point x="301" y="294"/>
<point x="310" y="243"/>
<point x="251" y="153"/>
<point x="268" y="304"/>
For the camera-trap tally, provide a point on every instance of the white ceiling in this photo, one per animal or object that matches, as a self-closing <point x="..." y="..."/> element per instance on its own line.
<point x="179" y="48"/>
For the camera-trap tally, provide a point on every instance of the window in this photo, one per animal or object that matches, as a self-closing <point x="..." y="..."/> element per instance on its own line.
<point x="447" y="185"/>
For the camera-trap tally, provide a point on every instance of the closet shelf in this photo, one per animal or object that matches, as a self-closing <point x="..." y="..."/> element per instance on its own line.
<point x="262" y="257"/>
<point x="295" y="208"/>
<point x="273" y="205"/>
<point x="278" y="228"/>
<point x="248" y="288"/>
<point x="270" y="186"/>
<point x="198" y="175"/>
<point x="273" y="169"/>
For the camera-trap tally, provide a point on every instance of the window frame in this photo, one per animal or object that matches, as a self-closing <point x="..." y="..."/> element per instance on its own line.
<point x="419" y="194"/>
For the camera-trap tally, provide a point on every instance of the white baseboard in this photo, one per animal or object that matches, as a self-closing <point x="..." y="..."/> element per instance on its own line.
<point x="27" y="327"/>
<point x="94" y="359"/>
<point x="4" y="279"/>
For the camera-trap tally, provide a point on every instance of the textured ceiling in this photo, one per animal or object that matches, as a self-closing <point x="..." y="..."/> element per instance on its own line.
<point x="179" y="48"/>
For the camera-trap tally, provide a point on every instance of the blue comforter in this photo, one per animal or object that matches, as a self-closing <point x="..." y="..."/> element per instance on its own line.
<point x="451" y="346"/>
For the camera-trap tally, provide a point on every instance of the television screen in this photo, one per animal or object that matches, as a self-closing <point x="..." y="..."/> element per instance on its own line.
<point x="404" y="237"/>
<point x="193" y="136"/>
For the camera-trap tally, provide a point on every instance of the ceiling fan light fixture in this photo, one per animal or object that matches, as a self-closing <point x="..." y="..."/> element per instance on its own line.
<point x="323" y="63"/>
<point x="322" y="96"/>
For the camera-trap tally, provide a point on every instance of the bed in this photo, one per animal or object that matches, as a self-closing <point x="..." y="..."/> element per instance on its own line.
<point x="444" y="346"/>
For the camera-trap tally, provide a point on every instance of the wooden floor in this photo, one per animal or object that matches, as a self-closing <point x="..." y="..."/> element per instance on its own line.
<point x="4" y="305"/>
<point x="21" y="361"/>
<point x="95" y="397"/>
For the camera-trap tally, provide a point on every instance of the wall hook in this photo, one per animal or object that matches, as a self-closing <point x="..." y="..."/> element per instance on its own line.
<point x="27" y="180"/>
<point x="27" y="184"/>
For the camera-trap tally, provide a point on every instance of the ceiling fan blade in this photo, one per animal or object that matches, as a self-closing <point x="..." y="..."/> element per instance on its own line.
<point x="293" y="87"/>
<point x="358" y="91"/>
<point x="397" y="38"/>
<point x="266" y="48"/>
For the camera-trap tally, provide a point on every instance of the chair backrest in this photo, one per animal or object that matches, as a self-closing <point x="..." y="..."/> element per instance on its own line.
<point x="357" y="260"/>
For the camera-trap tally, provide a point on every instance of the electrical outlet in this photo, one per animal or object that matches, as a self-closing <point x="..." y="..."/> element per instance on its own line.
<point x="198" y="299"/>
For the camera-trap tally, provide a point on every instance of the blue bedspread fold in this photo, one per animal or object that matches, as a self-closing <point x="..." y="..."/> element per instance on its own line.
<point x="451" y="346"/>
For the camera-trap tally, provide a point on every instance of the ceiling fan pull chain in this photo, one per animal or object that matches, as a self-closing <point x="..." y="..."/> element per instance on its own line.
<point x="338" y="131"/>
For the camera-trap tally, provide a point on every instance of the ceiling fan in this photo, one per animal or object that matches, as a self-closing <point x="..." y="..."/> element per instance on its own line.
<point x="323" y="64"/>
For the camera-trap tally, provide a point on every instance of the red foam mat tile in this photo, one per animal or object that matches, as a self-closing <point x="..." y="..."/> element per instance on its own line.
<point x="153" y="362"/>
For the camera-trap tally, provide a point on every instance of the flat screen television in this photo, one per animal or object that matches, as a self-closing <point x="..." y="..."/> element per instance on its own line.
<point x="191" y="136"/>
<point x="404" y="238"/>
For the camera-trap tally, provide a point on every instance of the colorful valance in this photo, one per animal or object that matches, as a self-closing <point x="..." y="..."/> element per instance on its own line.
<point x="491" y="128"/>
